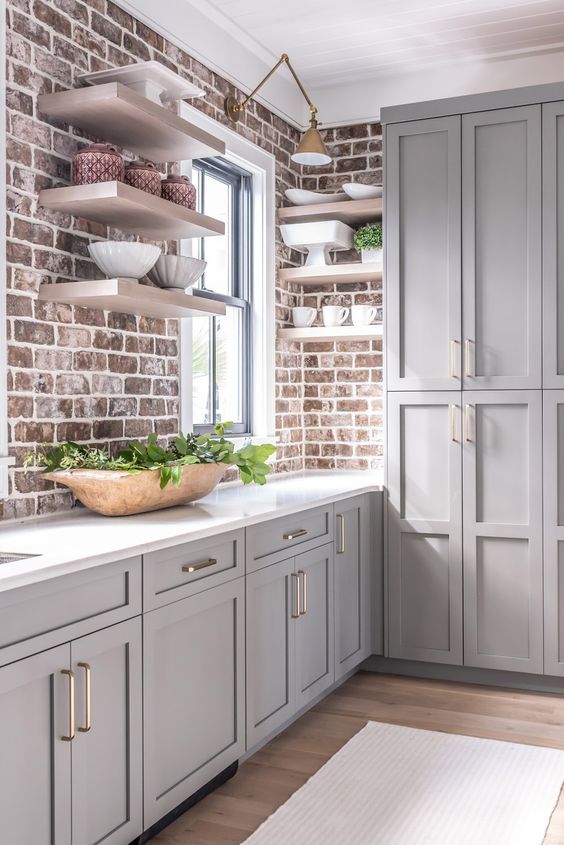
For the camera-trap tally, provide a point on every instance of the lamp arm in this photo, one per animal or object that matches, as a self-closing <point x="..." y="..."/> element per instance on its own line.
<point x="282" y="60"/>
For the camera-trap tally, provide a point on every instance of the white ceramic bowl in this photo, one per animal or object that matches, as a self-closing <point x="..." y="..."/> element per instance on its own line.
<point x="299" y="197"/>
<point x="122" y="259"/>
<point x="177" y="271"/>
<point x="356" y="191"/>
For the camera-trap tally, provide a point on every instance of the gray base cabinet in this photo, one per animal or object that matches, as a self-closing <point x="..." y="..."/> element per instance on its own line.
<point x="290" y="638"/>
<point x="353" y="584"/>
<point x="194" y="688"/>
<point x="553" y="462"/>
<point x="35" y="764"/>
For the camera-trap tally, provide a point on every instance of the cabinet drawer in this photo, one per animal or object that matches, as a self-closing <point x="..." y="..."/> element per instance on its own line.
<point x="174" y="573"/>
<point x="44" y="615"/>
<point x="271" y="541"/>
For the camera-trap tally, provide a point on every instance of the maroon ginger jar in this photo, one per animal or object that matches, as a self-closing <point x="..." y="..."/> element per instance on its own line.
<point x="143" y="175"/>
<point x="97" y="163"/>
<point x="179" y="189"/>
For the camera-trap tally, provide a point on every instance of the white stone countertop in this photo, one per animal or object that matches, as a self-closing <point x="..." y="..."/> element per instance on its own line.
<point x="81" y="539"/>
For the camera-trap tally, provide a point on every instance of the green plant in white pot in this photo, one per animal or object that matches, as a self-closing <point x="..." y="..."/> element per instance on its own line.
<point x="368" y="241"/>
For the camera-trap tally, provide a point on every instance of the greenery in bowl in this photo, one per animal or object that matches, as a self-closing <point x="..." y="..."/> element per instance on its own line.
<point x="186" y="449"/>
<point x="368" y="237"/>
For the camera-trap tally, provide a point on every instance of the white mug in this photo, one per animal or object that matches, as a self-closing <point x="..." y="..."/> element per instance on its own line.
<point x="334" y="315"/>
<point x="363" y="315"/>
<point x="303" y="317"/>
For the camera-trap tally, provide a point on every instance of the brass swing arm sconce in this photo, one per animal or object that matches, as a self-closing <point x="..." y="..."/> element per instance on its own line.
<point x="311" y="149"/>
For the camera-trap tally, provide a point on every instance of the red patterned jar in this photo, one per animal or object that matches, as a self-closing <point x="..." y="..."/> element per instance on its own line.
<point x="180" y="190"/>
<point x="143" y="175"/>
<point x="97" y="163"/>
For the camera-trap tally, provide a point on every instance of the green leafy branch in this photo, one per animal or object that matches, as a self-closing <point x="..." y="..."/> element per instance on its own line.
<point x="368" y="237"/>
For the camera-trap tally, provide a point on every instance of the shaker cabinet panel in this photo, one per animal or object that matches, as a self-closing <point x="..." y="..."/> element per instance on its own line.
<point x="107" y="788"/>
<point x="353" y="560"/>
<point x="315" y="640"/>
<point x="553" y="482"/>
<point x="35" y="760"/>
<point x="425" y="527"/>
<point x="501" y="236"/>
<point x="503" y="615"/>
<point x="553" y="238"/>
<point x="194" y="677"/>
<point x="423" y="255"/>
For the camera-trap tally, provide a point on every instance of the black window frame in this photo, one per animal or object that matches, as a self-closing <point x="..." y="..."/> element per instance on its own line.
<point x="241" y="285"/>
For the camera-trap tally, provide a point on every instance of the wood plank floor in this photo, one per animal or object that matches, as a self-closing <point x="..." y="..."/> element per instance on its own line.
<point x="263" y="783"/>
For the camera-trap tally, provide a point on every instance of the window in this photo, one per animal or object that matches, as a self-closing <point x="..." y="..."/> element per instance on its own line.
<point x="221" y="346"/>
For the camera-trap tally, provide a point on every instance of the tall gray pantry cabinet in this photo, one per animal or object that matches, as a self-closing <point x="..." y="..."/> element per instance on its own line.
<point x="475" y="349"/>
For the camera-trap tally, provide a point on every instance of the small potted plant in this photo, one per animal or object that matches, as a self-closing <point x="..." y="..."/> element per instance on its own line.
<point x="368" y="241"/>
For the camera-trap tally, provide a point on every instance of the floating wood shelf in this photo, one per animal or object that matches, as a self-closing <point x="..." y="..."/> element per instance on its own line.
<point x="332" y="333"/>
<point x="127" y="296"/>
<point x="119" y="205"/>
<point x="332" y="273"/>
<point x="352" y="212"/>
<point x="115" y="113"/>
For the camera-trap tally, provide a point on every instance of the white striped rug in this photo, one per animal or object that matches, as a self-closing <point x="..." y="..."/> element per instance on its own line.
<point x="392" y="785"/>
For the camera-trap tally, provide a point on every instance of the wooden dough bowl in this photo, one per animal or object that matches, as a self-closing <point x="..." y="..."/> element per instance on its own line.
<point x="120" y="493"/>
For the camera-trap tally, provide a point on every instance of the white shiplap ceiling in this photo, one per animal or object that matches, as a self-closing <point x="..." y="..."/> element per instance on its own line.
<point x="335" y="41"/>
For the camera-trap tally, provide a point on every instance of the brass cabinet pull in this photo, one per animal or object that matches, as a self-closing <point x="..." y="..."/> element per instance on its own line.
<point x="303" y="576"/>
<point x="70" y="676"/>
<point x="453" y="423"/>
<point x="467" y="354"/>
<point x="296" y="596"/>
<point x="453" y="345"/>
<point x="341" y="545"/>
<point x="194" y="567"/>
<point x="87" y="698"/>
<point x="467" y="413"/>
<point x="301" y="532"/>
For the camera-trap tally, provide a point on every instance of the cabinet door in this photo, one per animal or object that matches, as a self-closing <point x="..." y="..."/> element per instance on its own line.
<point x="553" y="444"/>
<point x="503" y="530"/>
<point x="553" y="236"/>
<point x="315" y="630"/>
<point x="271" y="613"/>
<point x="501" y="236"/>
<point x="423" y="255"/>
<point x="352" y="583"/>
<point x="35" y="762"/>
<point x="194" y="687"/>
<point x="107" y="789"/>
<point x="425" y="527"/>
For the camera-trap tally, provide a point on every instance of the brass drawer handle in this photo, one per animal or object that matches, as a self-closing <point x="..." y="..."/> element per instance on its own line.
<point x="194" y="567"/>
<point x="453" y="345"/>
<point x="467" y="414"/>
<point x="341" y="545"/>
<point x="303" y="576"/>
<point x="467" y="356"/>
<point x="293" y="534"/>
<point x="70" y="676"/>
<point x="296" y="596"/>
<point x="87" y="698"/>
<point x="453" y="423"/>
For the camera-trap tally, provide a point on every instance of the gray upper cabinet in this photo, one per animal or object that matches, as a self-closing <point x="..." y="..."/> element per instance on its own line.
<point x="194" y="694"/>
<point x="272" y="608"/>
<point x="425" y="527"/>
<point x="35" y="767"/>
<point x="501" y="235"/>
<point x="107" y="789"/>
<point x="553" y="238"/>
<point x="315" y="637"/>
<point x="423" y="255"/>
<point x="353" y="558"/>
<point x="503" y="614"/>
<point x="553" y="462"/>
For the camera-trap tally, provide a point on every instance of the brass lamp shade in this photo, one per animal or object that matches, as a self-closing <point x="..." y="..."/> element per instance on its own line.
<point x="311" y="149"/>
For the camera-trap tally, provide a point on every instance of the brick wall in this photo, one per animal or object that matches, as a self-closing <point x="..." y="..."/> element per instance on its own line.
<point x="93" y="376"/>
<point x="343" y="381"/>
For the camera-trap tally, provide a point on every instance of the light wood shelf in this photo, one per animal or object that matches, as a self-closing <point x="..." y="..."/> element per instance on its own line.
<point x="352" y="212"/>
<point x="332" y="333"/>
<point x="332" y="273"/>
<point x="127" y="296"/>
<point x="115" y="113"/>
<point x="123" y="207"/>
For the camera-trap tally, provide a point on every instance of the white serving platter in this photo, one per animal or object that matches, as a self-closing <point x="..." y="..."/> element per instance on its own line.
<point x="299" y="197"/>
<point x="151" y="79"/>
<point x="356" y="191"/>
